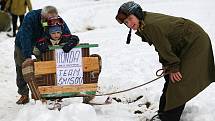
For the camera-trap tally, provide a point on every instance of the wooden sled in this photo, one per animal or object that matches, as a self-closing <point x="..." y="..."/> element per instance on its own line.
<point x="41" y="76"/>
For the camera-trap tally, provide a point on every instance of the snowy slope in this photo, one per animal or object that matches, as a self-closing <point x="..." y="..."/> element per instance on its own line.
<point x="124" y="65"/>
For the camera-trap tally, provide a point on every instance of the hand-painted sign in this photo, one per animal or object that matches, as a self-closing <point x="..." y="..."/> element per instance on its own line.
<point x="69" y="67"/>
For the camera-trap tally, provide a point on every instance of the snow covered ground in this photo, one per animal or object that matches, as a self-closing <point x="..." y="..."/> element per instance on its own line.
<point x="124" y="65"/>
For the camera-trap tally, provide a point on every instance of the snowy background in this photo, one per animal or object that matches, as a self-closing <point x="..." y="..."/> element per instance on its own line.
<point x="124" y="66"/>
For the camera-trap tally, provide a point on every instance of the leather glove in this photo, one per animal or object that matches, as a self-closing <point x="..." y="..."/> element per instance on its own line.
<point x="73" y="41"/>
<point x="42" y="45"/>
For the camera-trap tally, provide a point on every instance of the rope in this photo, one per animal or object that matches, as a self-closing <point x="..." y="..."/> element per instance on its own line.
<point x="111" y="93"/>
<point x="160" y="73"/>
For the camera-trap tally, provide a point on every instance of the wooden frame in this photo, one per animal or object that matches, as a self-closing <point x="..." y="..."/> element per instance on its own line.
<point x="41" y="78"/>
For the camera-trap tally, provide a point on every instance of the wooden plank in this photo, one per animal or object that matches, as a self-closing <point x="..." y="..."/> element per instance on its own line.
<point x="49" y="67"/>
<point x="90" y="64"/>
<point x="86" y="75"/>
<point x="67" y="88"/>
<point x="44" y="67"/>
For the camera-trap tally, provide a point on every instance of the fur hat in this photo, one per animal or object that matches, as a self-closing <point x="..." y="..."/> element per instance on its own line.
<point x="127" y="9"/>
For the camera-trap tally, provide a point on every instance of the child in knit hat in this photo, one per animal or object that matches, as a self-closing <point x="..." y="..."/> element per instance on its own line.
<point x="56" y="37"/>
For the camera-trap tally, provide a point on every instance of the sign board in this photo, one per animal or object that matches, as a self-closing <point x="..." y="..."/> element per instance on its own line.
<point x="69" y="67"/>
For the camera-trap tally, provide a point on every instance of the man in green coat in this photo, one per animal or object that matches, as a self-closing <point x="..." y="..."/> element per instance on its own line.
<point x="184" y="50"/>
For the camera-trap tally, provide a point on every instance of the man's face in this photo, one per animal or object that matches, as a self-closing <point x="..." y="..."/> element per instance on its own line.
<point x="132" y="22"/>
<point x="49" y="15"/>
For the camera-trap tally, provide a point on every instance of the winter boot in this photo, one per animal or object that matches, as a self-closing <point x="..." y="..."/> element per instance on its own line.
<point x="14" y="35"/>
<point x="23" y="99"/>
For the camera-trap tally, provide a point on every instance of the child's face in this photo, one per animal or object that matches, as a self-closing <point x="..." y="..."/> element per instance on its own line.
<point x="132" y="22"/>
<point x="55" y="35"/>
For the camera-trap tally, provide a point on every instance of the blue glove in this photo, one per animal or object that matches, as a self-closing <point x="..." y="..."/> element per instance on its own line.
<point x="72" y="42"/>
<point x="42" y="45"/>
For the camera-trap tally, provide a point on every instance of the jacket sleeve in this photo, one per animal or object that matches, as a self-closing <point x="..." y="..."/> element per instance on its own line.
<point x="166" y="56"/>
<point x="66" y="29"/>
<point x="74" y="39"/>
<point x="26" y="33"/>
<point x="68" y="38"/>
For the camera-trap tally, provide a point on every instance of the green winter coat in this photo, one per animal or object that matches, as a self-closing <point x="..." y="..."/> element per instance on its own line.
<point x="183" y="46"/>
<point x="18" y="7"/>
<point x="4" y="21"/>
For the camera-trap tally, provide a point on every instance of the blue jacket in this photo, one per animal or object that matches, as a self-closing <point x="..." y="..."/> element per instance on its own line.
<point x="30" y="30"/>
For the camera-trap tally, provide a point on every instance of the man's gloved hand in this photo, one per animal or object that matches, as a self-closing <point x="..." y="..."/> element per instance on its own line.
<point x="27" y="62"/>
<point x="42" y="45"/>
<point x="27" y="69"/>
<point x="73" y="41"/>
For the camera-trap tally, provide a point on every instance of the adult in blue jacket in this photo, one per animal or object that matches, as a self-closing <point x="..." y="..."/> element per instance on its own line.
<point x="33" y="27"/>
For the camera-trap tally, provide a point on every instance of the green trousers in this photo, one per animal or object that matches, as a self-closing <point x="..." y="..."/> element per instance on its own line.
<point x="20" y="82"/>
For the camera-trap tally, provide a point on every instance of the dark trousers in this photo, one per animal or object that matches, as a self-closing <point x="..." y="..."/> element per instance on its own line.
<point x="2" y="4"/>
<point x="20" y="82"/>
<point x="14" y="21"/>
<point x="170" y="115"/>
